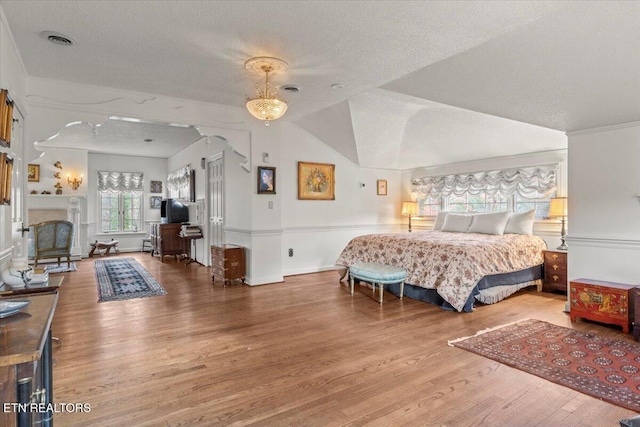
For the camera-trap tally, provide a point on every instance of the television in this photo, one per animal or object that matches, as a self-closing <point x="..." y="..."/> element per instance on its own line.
<point x="172" y="211"/>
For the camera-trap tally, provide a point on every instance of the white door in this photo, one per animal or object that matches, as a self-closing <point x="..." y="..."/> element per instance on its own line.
<point x="215" y="178"/>
<point x="19" y="220"/>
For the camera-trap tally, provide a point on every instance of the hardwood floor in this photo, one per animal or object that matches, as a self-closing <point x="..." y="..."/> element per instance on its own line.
<point x="301" y="353"/>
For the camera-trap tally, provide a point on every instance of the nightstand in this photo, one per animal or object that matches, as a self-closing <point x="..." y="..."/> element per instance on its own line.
<point x="604" y="302"/>
<point x="555" y="271"/>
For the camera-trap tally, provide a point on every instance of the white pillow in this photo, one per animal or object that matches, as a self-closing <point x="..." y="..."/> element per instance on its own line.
<point x="489" y="223"/>
<point x="437" y="225"/>
<point x="456" y="222"/>
<point x="521" y="223"/>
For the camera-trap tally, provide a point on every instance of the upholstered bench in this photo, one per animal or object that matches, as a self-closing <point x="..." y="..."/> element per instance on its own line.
<point x="378" y="274"/>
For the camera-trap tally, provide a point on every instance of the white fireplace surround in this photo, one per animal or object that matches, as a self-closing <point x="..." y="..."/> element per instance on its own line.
<point x="62" y="207"/>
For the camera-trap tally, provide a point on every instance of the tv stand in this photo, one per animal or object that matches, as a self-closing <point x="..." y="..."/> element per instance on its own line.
<point x="165" y="240"/>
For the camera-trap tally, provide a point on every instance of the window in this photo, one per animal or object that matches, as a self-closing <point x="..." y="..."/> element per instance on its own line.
<point x="476" y="203"/>
<point x="522" y="204"/>
<point x="429" y="206"/>
<point x="120" y="211"/>
<point x="120" y="201"/>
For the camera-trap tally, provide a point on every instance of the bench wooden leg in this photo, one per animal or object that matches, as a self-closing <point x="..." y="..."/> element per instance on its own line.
<point x="401" y="289"/>
<point x="351" y="284"/>
<point x="381" y="290"/>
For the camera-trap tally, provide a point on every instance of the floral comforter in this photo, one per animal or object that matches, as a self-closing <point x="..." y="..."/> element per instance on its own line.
<point x="451" y="263"/>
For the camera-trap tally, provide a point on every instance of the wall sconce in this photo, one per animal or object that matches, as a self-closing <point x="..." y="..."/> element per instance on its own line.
<point x="74" y="183"/>
<point x="409" y="209"/>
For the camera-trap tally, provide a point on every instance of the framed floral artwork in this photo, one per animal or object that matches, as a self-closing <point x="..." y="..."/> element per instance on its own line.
<point x="156" y="187"/>
<point x="33" y="173"/>
<point x="266" y="180"/>
<point x="155" y="202"/>
<point x="382" y="187"/>
<point x="316" y="181"/>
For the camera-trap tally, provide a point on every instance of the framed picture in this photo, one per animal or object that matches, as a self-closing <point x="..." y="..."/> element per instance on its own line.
<point x="33" y="173"/>
<point x="266" y="180"/>
<point x="155" y="202"/>
<point x="316" y="181"/>
<point x="382" y="187"/>
<point x="156" y="187"/>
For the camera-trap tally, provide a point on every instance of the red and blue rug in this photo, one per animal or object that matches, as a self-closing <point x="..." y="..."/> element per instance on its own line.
<point x="124" y="278"/>
<point x="608" y="369"/>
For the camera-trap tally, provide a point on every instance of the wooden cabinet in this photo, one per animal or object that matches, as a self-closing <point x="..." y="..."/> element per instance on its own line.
<point x="555" y="271"/>
<point x="165" y="240"/>
<point x="600" y="301"/>
<point x="635" y="318"/>
<point x="227" y="263"/>
<point x="26" y="374"/>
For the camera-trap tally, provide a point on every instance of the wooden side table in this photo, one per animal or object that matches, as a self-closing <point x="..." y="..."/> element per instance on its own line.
<point x="555" y="271"/>
<point x="228" y="263"/>
<point x="600" y="301"/>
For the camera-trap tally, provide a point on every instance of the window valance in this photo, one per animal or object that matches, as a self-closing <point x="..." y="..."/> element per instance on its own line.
<point x="531" y="182"/>
<point x="179" y="179"/>
<point x="120" y="181"/>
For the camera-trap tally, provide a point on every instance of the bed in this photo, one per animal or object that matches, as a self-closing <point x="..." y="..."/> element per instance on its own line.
<point x="451" y="269"/>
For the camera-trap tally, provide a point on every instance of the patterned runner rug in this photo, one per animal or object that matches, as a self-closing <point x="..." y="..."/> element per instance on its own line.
<point x="125" y="278"/>
<point x="608" y="369"/>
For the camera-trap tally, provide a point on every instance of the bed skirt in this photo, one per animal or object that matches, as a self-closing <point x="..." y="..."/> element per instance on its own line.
<point x="528" y="276"/>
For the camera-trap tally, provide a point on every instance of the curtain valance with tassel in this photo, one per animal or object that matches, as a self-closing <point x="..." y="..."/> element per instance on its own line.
<point x="120" y="181"/>
<point x="179" y="179"/>
<point x="531" y="182"/>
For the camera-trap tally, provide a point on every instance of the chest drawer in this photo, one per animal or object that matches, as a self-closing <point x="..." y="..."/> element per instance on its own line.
<point x="601" y="301"/>
<point x="555" y="271"/>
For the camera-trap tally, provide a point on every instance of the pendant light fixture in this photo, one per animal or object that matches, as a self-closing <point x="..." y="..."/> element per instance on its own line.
<point x="266" y="105"/>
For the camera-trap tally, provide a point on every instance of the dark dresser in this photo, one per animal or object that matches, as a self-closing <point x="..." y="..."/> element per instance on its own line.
<point x="555" y="271"/>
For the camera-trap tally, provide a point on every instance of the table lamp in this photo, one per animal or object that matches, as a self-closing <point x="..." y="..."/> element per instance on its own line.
<point x="558" y="209"/>
<point x="409" y="208"/>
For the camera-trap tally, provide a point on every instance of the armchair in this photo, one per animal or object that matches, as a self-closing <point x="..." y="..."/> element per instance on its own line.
<point x="52" y="239"/>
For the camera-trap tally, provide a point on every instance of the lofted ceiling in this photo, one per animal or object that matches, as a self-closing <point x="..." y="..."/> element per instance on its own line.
<point x="424" y="83"/>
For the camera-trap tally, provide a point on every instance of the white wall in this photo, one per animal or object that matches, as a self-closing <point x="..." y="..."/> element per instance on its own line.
<point x="317" y="231"/>
<point x="13" y="78"/>
<point x="154" y="169"/>
<point x="604" y="207"/>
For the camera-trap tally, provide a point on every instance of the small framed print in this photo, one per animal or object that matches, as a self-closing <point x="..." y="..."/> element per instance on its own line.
<point x="155" y="202"/>
<point x="382" y="187"/>
<point x="33" y="173"/>
<point x="266" y="180"/>
<point x="156" y="187"/>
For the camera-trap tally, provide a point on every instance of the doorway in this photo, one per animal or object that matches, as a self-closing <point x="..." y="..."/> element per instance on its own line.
<point x="215" y="185"/>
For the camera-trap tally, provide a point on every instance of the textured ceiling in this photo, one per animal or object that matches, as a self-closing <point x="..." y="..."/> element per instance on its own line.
<point x="558" y="65"/>
<point x="124" y="136"/>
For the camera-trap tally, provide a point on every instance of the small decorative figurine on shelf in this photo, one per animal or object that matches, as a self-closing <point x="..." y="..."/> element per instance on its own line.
<point x="58" y="164"/>
<point x="56" y="175"/>
<point x="58" y="188"/>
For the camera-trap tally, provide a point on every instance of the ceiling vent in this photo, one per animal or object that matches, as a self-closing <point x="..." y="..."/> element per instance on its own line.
<point x="57" y="38"/>
<point x="290" y="88"/>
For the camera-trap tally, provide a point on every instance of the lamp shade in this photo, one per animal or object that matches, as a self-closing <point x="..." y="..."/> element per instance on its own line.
<point x="558" y="207"/>
<point x="409" y="208"/>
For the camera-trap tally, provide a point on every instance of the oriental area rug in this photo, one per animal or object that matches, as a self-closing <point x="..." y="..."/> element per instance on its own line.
<point x="608" y="369"/>
<point x="125" y="278"/>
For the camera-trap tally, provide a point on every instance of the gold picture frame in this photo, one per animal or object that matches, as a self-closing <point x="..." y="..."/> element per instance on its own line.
<point x="316" y="181"/>
<point x="382" y="187"/>
<point x="33" y="173"/>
